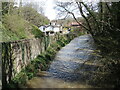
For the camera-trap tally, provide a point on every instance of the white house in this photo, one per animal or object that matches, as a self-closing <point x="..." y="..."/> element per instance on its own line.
<point x="51" y="29"/>
<point x="42" y="28"/>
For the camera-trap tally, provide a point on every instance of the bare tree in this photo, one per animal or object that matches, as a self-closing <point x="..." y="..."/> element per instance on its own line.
<point x="82" y="8"/>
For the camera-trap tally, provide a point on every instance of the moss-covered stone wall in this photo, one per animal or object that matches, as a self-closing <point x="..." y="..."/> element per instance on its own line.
<point x="18" y="54"/>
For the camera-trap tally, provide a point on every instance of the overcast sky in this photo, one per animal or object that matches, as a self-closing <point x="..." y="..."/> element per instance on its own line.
<point x="48" y="7"/>
<point x="49" y="10"/>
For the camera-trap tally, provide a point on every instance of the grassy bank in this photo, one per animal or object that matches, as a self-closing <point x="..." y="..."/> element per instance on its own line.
<point x="14" y="28"/>
<point x="41" y="63"/>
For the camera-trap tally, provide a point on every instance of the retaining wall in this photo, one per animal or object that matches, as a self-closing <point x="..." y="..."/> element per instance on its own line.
<point x="18" y="54"/>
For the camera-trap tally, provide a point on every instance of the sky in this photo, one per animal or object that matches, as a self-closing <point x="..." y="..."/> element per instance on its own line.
<point x="48" y="5"/>
<point x="49" y="10"/>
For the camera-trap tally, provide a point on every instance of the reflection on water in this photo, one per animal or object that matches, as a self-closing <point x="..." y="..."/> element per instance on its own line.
<point x="66" y="71"/>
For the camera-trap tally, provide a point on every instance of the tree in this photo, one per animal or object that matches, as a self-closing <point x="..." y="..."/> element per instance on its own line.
<point x="65" y="7"/>
<point x="39" y="7"/>
<point x="103" y="23"/>
<point x="100" y="19"/>
<point x="31" y="15"/>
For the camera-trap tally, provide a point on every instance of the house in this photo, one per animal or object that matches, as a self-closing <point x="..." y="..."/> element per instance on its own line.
<point x="51" y="29"/>
<point x="42" y="28"/>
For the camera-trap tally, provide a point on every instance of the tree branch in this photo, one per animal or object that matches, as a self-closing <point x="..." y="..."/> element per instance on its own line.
<point x="80" y="9"/>
<point x="91" y="14"/>
<point x="73" y="17"/>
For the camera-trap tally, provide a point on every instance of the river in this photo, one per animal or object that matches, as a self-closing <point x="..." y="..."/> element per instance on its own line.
<point x="66" y="70"/>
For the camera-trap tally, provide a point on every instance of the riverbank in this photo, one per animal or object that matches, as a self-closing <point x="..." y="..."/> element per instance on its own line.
<point x="40" y="63"/>
<point x="77" y="65"/>
<point x="72" y="67"/>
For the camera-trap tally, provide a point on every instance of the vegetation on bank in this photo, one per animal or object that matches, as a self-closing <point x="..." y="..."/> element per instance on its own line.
<point x="16" y="28"/>
<point x="21" y="31"/>
<point x="20" y="22"/>
<point x="102" y="21"/>
<point x="41" y="63"/>
<point x="31" y="15"/>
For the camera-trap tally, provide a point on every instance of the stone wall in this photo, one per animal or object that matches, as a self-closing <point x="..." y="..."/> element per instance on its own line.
<point x="18" y="54"/>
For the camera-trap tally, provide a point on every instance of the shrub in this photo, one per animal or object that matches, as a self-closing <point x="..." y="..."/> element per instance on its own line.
<point x="36" y="32"/>
<point x="17" y="25"/>
<point x="15" y="28"/>
<point x="7" y="35"/>
<point x="21" y="78"/>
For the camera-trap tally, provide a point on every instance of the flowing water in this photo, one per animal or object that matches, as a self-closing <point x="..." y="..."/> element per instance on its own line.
<point x="67" y="71"/>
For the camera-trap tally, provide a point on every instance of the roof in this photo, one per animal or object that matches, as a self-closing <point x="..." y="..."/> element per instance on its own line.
<point x="74" y="24"/>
